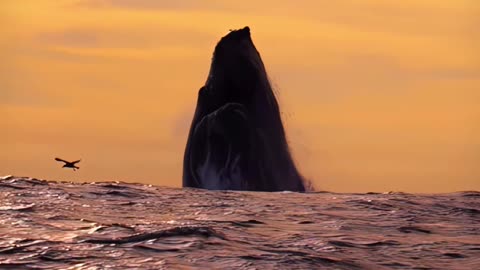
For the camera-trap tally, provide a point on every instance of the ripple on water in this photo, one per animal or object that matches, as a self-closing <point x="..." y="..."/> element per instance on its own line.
<point x="63" y="225"/>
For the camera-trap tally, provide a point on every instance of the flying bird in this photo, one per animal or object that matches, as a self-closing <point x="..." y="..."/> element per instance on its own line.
<point x="69" y="164"/>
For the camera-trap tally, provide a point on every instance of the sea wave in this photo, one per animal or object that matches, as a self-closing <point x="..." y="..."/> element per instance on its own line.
<point x="115" y="225"/>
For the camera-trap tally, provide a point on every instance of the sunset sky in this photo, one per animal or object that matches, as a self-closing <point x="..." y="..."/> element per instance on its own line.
<point x="376" y="95"/>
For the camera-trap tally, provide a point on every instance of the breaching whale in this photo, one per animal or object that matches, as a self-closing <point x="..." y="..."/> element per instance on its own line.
<point x="237" y="139"/>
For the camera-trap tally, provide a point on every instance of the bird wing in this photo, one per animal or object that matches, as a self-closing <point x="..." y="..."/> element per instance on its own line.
<point x="76" y="161"/>
<point x="62" y="160"/>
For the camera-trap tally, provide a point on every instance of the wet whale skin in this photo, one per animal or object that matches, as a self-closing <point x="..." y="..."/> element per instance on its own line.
<point x="237" y="139"/>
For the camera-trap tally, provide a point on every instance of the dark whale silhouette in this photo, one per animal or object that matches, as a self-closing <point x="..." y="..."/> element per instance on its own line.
<point x="237" y="140"/>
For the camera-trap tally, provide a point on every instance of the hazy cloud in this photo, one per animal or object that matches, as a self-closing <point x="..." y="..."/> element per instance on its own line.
<point x="247" y="7"/>
<point x="146" y="4"/>
<point x="74" y="38"/>
<point x="154" y="37"/>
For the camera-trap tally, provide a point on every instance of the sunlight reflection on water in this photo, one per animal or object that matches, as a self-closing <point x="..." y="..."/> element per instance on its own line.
<point x="48" y="224"/>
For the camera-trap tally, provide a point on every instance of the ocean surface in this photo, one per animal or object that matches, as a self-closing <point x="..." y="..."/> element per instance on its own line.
<point x="116" y="225"/>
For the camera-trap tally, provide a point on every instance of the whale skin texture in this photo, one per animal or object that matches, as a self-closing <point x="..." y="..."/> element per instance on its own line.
<point x="237" y="139"/>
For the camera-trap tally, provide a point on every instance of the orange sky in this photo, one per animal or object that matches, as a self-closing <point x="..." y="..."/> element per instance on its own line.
<point x="376" y="95"/>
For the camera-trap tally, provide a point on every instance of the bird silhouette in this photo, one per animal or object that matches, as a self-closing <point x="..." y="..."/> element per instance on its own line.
<point x="69" y="164"/>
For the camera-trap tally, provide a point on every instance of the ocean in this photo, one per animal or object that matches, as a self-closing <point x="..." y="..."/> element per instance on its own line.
<point x="117" y="225"/>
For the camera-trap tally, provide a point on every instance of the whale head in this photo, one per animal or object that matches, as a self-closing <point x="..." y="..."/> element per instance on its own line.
<point x="236" y="69"/>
